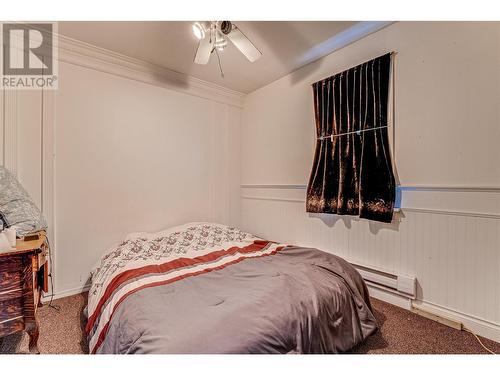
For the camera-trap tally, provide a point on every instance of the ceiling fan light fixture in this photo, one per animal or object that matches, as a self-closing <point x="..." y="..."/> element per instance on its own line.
<point x="219" y="36"/>
<point x="226" y="27"/>
<point x="220" y="44"/>
<point x="198" y="31"/>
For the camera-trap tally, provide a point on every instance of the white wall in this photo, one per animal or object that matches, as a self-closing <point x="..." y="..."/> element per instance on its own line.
<point x="447" y="131"/>
<point x="447" y="91"/>
<point x="135" y="157"/>
<point x="120" y="148"/>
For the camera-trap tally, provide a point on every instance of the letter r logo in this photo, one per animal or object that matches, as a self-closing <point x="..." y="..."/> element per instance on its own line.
<point x="27" y="49"/>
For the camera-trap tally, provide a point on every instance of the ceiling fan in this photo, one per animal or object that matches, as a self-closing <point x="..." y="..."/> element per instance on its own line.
<point x="213" y="36"/>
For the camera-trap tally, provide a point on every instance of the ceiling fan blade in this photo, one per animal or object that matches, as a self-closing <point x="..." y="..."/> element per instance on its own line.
<point x="244" y="44"/>
<point x="204" y="50"/>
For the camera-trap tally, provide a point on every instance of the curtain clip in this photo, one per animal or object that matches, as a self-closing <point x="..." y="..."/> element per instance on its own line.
<point x="331" y="138"/>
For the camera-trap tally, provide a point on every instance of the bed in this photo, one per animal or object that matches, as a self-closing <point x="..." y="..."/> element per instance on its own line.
<point x="210" y="288"/>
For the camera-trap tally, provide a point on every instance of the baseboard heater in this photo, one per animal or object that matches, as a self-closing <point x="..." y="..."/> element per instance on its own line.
<point x="398" y="284"/>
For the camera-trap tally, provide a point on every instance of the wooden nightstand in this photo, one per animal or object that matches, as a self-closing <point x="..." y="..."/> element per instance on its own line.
<point x="23" y="277"/>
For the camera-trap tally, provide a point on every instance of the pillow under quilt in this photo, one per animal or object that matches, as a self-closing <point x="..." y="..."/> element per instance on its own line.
<point x="17" y="209"/>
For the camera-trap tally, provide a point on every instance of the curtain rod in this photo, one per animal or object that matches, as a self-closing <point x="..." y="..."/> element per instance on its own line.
<point x="358" y="132"/>
<point x="392" y="53"/>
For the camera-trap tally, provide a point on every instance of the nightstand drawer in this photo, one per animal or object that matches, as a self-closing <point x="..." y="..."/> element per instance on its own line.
<point x="8" y="294"/>
<point x="10" y="326"/>
<point x="11" y="263"/>
<point x="11" y="316"/>
<point x="11" y="273"/>
<point x="11" y="308"/>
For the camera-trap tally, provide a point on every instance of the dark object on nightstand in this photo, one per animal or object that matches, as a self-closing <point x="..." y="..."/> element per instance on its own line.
<point x="23" y="276"/>
<point x="31" y="237"/>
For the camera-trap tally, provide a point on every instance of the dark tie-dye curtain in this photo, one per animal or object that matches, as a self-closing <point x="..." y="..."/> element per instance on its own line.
<point x="352" y="174"/>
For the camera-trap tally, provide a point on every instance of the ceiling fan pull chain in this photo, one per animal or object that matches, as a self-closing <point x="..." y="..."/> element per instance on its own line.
<point x="220" y="64"/>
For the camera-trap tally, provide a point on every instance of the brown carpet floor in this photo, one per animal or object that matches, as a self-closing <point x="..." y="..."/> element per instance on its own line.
<point x="401" y="332"/>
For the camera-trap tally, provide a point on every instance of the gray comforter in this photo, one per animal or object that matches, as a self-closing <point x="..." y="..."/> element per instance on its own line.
<point x="299" y="300"/>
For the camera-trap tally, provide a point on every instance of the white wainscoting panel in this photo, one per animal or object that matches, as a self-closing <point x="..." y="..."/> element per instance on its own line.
<point x="10" y="130"/>
<point x="455" y="257"/>
<point x="29" y="142"/>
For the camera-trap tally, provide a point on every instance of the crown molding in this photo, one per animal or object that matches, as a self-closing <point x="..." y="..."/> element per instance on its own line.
<point x="89" y="56"/>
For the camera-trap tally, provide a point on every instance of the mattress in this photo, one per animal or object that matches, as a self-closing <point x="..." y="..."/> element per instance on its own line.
<point x="210" y="288"/>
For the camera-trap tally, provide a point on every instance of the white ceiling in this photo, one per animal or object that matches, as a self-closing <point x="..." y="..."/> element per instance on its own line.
<point x="284" y="45"/>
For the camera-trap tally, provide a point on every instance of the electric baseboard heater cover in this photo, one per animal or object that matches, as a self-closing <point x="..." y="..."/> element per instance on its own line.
<point x="400" y="284"/>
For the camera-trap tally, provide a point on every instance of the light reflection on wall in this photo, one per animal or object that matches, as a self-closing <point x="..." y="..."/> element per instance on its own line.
<point x="342" y="39"/>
